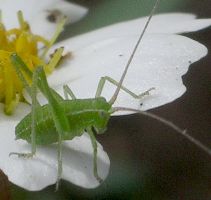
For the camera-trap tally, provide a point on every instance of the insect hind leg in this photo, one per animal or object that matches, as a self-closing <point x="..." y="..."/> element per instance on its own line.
<point x="35" y="104"/>
<point x="114" y="82"/>
<point x="58" y="114"/>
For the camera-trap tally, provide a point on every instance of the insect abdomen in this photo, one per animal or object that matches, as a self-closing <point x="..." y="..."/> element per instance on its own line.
<point x="45" y="129"/>
<point x="80" y="113"/>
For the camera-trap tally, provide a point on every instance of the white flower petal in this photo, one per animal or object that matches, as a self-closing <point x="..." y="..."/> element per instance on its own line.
<point x="176" y="23"/>
<point x="37" y="14"/>
<point x="160" y="62"/>
<point x="41" y="171"/>
<point x="163" y="23"/>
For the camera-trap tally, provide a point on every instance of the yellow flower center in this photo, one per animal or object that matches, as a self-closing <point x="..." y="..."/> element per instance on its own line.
<point x="26" y="44"/>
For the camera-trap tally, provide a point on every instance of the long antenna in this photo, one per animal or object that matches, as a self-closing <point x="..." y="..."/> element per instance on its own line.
<point x="114" y="97"/>
<point x="169" y="124"/>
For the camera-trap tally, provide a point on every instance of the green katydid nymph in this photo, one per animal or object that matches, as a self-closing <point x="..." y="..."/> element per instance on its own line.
<point x="63" y="119"/>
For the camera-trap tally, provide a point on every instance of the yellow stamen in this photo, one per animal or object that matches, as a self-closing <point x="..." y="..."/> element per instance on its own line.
<point x="0" y="16"/>
<point x="55" y="36"/>
<point x="23" y="42"/>
<point x="54" y="61"/>
<point x="23" y="24"/>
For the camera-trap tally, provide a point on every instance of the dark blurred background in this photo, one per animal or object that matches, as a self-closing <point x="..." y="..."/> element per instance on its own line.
<point x="149" y="161"/>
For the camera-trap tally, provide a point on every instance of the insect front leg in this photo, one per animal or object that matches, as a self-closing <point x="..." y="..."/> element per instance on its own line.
<point x="94" y="145"/>
<point x="101" y="85"/>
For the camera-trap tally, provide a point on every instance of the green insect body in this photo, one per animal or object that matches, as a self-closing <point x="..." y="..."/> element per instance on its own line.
<point x="63" y="119"/>
<point x="81" y="114"/>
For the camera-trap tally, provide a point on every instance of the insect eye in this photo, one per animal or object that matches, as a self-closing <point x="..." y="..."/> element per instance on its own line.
<point x="102" y="114"/>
